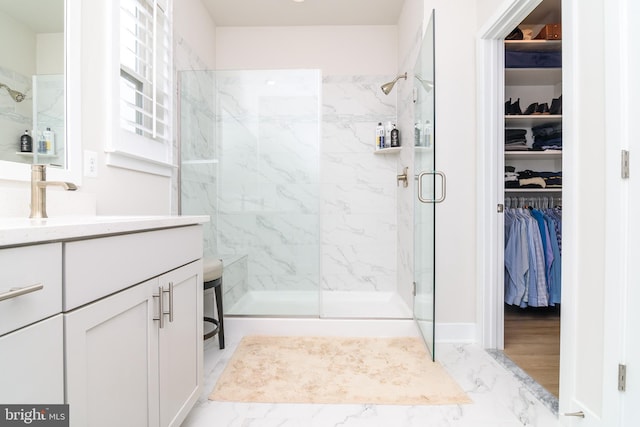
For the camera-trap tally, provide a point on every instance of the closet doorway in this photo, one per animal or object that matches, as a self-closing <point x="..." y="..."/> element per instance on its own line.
<point x="532" y="234"/>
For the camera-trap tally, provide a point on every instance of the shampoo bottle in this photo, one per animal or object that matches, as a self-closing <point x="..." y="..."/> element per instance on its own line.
<point x="49" y="141"/>
<point x="379" y="136"/>
<point x="395" y="137"/>
<point x="387" y="135"/>
<point x="42" y="145"/>
<point x="26" y="143"/>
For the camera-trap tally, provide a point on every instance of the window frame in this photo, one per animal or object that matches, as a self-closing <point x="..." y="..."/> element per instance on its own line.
<point x="127" y="149"/>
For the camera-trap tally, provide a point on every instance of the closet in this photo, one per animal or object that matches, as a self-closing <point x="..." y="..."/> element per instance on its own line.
<point x="533" y="194"/>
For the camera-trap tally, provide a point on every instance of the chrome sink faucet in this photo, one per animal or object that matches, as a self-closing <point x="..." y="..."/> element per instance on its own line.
<point x="39" y="186"/>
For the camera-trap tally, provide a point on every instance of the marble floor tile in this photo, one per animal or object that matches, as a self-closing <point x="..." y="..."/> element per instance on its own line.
<point x="500" y="399"/>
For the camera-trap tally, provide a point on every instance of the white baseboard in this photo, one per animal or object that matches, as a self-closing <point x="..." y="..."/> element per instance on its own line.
<point x="456" y="332"/>
<point x="240" y="326"/>
<point x="445" y="332"/>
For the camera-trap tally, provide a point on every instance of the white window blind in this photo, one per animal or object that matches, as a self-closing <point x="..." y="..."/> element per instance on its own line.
<point x="146" y="69"/>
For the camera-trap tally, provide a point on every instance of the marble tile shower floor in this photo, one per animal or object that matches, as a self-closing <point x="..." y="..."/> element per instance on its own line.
<point x="500" y="399"/>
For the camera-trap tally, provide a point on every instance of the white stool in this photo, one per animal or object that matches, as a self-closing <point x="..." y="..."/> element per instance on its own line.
<point x="213" y="279"/>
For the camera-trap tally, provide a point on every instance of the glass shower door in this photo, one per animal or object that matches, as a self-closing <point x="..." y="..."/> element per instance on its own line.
<point x="427" y="195"/>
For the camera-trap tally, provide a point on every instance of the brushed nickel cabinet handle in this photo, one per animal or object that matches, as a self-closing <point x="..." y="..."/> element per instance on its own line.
<point x="170" y="301"/>
<point x="160" y="297"/>
<point x="16" y="292"/>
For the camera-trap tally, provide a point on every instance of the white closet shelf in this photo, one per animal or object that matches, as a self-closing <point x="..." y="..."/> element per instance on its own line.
<point x="532" y="76"/>
<point x="533" y="45"/>
<point x="533" y="190"/>
<point x="531" y="120"/>
<point x="533" y="155"/>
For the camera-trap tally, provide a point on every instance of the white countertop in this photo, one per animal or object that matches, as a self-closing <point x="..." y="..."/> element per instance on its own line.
<point x="21" y="231"/>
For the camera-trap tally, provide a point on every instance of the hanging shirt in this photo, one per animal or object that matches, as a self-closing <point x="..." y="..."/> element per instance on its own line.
<point x="555" y="285"/>
<point x="516" y="259"/>
<point x="537" y="280"/>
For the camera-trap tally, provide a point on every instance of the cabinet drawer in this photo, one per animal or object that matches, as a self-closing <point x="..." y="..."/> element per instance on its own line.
<point x="96" y="268"/>
<point x="24" y="267"/>
<point x="31" y="364"/>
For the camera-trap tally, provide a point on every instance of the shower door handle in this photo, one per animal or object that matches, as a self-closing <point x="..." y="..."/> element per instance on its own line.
<point x="443" y="187"/>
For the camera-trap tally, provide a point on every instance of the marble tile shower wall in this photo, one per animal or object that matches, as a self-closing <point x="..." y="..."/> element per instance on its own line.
<point x="49" y="96"/>
<point x="359" y="221"/>
<point x="199" y="156"/>
<point x="269" y="138"/>
<point x="14" y="117"/>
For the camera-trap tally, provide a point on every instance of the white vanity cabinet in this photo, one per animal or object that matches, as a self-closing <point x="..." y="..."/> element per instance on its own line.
<point x="31" y="341"/>
<point x="133" y="327"/>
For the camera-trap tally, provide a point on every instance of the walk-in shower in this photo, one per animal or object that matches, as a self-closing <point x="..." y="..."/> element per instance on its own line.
<point x="283" y="162"/>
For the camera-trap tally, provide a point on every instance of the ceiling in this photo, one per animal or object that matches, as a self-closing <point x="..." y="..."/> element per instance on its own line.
<point x="309" y="12"/>
<point x="40" y="16"/>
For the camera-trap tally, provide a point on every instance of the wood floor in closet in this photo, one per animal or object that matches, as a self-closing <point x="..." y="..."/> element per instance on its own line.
<point x="532" y="341"/>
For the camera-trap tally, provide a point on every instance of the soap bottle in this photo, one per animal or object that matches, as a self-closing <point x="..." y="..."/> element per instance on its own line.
<point x="380" y="136"/>
<point x="387" y="134"/>
<point x="42" y="145"/>
<point x="49" y="141"/>
<point x="26" y="143"/>
<point x="395" y="137"/>
<point x="428" y="136"/>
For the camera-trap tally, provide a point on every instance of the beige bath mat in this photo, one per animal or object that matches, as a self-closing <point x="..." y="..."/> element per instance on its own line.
<point x="395" y="371"/>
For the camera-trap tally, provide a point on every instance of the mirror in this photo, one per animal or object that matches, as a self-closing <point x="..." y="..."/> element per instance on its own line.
<point x="36" y="48"/>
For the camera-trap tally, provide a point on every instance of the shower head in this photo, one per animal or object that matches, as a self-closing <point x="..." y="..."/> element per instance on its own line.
<point x="386" y="88"/>
<point x="15" y="95"/>
<point x="426" y="84"/>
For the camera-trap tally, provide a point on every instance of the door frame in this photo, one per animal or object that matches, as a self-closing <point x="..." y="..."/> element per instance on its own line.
<point x="490" y="159"/>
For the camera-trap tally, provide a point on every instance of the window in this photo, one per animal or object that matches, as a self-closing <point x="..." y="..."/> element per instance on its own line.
<point x="145" y="82"/>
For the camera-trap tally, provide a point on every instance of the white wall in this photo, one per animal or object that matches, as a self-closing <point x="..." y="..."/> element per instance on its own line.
<point x="486" y="10"/>
<point x="117" y="191"/>
<point x="18" y="43"/>
<point x="194" y="36"/>
<point x="336" y="50"/>
<point x="455" y="156"/>
<point x="50" y="53"/>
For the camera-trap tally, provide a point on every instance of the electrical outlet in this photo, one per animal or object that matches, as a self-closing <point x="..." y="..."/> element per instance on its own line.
<point x="90" y="164"/>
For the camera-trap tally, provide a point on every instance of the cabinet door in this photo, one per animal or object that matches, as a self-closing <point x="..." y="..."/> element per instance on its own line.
<point x="111" y="360"/>
<point x="180" y="344"/>
<point x="31" y="365"/>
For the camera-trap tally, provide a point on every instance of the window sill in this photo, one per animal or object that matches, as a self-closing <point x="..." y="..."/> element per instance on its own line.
<point x="121" y="159"/>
